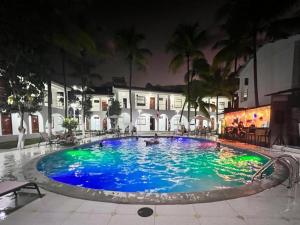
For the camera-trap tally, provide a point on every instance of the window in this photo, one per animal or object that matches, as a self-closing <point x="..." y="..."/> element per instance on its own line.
<point x="178" y="103"/>
<point x="141" y="120"/>
<point x="96" y="101"/>
<point x="213" y="108"/>
<point x="152" y="103"/>
<point x="6" y="124"/>
<point x="246" y="81"/>
<point x="245" y="95"/>
<point x="221" y="105"/>
<point x="162" y="104"/>
<point x="125" y="103"/>
<point x="60" y="99"/>
<point x="140" y="100"/>
<point x="104" y="105"/>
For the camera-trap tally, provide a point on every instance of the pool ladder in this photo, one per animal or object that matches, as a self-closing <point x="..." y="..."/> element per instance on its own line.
<point x="290" y="161"/>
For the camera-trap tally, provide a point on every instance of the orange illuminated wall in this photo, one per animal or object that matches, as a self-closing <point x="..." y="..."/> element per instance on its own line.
<point x="260" y="117"/>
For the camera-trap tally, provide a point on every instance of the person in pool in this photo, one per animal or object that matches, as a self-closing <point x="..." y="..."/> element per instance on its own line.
<point x="101" y="144"/>
<point x="152" y="141"/>
<point x="218" y="147"/>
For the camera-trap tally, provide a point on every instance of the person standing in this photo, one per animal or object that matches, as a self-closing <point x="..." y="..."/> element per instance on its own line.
<point x="21" y="138"/>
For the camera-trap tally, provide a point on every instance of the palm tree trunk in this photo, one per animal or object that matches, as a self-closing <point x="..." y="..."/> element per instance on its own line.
<point x="255" y="68"/>
<point x="188" y="91"/>
<point x="49" y="107"/>
<point x="217" y="116"/>
<point x="83" y="110"/>
<point x="235" y="64"/>
<point x="65" y="83"/>
<point x="130" y="86"/>
<point x="181" y="113"/>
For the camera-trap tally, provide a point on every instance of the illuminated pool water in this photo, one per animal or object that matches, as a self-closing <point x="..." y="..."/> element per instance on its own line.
<point x="173" y="165"/>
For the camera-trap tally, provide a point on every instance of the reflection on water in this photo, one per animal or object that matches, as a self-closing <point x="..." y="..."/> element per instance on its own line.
<point x="173" y="165"/>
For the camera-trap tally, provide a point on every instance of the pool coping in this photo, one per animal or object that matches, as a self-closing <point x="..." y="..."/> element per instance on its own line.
<point x="279" y="175"/>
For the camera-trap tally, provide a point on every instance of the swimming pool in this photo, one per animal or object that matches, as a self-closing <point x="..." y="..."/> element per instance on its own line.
<point x="175" y="165"/>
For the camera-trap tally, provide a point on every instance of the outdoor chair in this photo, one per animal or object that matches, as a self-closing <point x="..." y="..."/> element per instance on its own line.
<point x="262" y="136"/>
<point x="251" y="135"/>
<point x="44" y="137"/>
<point x="7" y="187"/>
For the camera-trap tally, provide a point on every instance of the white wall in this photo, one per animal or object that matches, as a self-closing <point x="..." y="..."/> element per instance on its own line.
<point x="121" y="95"/>
<point x="15" y="118"/>
<point x="124" y="120"/>
<point x="163" y="122"/>
<point x="274" y="71"/>
<point x="95" y="122"/>
<point x="174" y="122"/>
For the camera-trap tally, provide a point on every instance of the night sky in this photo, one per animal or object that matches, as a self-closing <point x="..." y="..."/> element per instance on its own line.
<point x="157" y="20"/>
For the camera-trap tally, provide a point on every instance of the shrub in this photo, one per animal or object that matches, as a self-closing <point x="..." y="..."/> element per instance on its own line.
<point x="70" y="124"/>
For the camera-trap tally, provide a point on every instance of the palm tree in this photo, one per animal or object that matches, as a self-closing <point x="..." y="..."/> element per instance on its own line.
<point x="215" y="80"/>
<point x="231" y="50"/>
<point x="185" y="44"/>
<point x="240" y="17"/>
<point x="129" y="42"/>
<point x="83" y="67"/>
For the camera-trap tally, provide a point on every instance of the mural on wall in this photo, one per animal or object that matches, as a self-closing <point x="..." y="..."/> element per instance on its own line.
<point x="259" y="117"/>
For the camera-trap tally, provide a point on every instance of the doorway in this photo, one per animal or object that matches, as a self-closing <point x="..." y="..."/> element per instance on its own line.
<point x="104" y="124"/>
<point x="6" y="124"/>
<point x="152" y="103"/>
<point x="34" y="124"/>
<point x="152" y="123"/>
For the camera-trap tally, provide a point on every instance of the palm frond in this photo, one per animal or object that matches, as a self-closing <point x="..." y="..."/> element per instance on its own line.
<point x="176" y="63"/>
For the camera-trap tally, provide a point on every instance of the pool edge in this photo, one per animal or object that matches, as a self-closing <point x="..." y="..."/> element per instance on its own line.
<point x="32" y="174"/>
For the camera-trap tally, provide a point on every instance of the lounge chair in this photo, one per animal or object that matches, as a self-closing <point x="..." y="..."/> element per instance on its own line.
<point x="44" y="137"/>
<point x="7" y="187"/>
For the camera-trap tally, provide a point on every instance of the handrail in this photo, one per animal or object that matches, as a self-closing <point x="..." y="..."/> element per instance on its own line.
<point x="265" y="167"/>
<point x="297" y="165"/>
<point x="294" y="169"/>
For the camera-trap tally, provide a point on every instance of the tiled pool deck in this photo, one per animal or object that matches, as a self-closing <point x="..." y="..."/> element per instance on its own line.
<point x="278" y="205"/>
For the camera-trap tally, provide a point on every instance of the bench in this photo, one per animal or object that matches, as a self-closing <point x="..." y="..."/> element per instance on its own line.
<point x="7" y="187"/>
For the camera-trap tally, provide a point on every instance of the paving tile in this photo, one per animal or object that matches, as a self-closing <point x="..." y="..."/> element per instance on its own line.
<point x="176" y="220"/>
<point x="132" y="209"/>
<point x="131" y="220"/>
<point x="222" y="221"/>
<point x="50" y="218"/>
<point x="215" y="209"/>
<point x="57" y="204"/>
<point x="267" y="221"/>
<point x="165" y="210"/>
<point x="261" y="207"/>
<point x="19" y="218"/>
<point x="36" y="218"/>
<point x="87" y="219"/>
<point x="97" y="207"/>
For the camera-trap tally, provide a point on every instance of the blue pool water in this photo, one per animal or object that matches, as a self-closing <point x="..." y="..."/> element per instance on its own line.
<point x="173" y="165"/>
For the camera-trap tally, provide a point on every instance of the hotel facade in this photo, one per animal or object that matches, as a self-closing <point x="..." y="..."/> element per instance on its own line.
<point x="153" y="110"/>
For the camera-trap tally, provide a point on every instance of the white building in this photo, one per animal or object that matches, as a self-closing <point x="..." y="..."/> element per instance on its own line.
<point x="36" y="122"/>
<point x="278" y="68"/>
<point x="153" y="110"/>
<point x="159" y="110"/>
